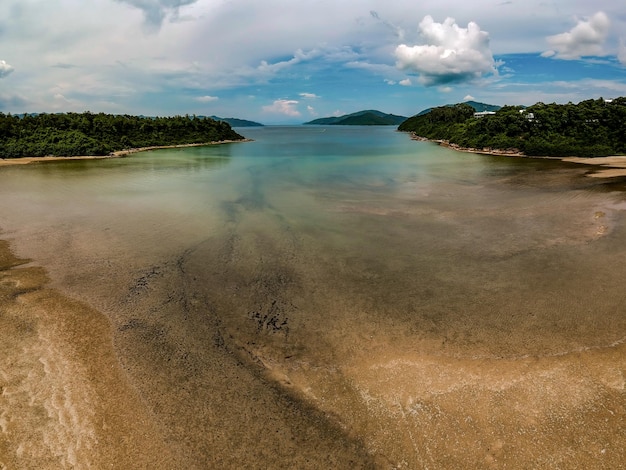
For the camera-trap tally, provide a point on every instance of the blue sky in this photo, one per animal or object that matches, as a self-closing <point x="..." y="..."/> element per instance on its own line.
<point x="289" y="61"/>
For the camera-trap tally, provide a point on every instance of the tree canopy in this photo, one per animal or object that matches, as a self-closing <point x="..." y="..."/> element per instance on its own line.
<point x="73" y="134"/>
<point x="590" y="128"/>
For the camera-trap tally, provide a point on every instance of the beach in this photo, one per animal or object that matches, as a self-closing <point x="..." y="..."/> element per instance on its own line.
<point x="115" y="154"/>
<point x="64" y="397"/>
<point x="67" y="403"/>
<point x="611" y="166"/>
<point x="66" y="400"/>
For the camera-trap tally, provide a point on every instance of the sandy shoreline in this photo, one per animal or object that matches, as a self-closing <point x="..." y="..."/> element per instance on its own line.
<point x="612" y="166"/>
<point x="116" y="154"/>
<point x="64" y="398"/>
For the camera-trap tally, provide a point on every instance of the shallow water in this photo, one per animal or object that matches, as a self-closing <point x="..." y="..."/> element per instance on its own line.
<point x="390" y="302"/>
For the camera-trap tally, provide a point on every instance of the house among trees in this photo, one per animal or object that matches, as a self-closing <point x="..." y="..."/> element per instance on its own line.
<point x="481" y="114"/>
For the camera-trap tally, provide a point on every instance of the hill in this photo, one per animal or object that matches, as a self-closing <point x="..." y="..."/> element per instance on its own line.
<point x="361" y="118"/>
<point x="235" y="122"/>
<point x="478" y="107"/>
<point x="74" y="134"/>
<point x="591" y="128"/>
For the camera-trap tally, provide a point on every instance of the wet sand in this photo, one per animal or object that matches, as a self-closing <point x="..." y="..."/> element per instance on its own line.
<point x="501" y="385"/>
<point x="612" y="166"/>
<point x="271" y="399"/>
<point x="66" y="401"/>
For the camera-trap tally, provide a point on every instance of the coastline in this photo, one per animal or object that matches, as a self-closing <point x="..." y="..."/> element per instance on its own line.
<point x="612" y="166"/>
<point x="115" y="154"/>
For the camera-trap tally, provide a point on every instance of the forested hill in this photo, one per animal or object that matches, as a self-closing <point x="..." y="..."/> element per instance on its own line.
<point x="236" y="122"/>
<point x="74" y="134"/>
<point x="370" y="117"/>
<point x="590" y="128"/>
<point x="478" y="107"/>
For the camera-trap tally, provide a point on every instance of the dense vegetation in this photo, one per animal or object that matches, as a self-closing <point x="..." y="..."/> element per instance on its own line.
<point x="360" y="118"/>
<point x="590" y="128"/>
<point x="86" y="133"/>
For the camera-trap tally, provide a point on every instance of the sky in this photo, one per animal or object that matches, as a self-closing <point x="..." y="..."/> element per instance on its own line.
<point x="290" y="61"/>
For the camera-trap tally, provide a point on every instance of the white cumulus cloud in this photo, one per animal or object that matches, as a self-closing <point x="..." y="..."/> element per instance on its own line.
<point x="469" y="98"/>
<point x="406" y="82"/>
<point x="5" y="69"/>
<point x="206" y="98"/>
<point x="309" y="96"/>
<point x="286" y="107"/>
<point x="585" y="39"/>
<point x="451" y="53"/>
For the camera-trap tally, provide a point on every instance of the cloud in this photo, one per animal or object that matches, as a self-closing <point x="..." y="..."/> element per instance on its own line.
<point x="469" y="98"/>
<point x="380" y="69"/>
<point x="311" y="110"/>
<point x="406" y="82"/>
<point x="451" y="53"/>
<point x="396" y="29"/>
<point x="621" y="54"/>
<point x="286" y="107"/>
<point x="298" y="57"/>
<point x="5" y="69"/>
<point x="309" y="96"/>
<point x="63" y="66"/>
<point x="585" y="39"/>
<point x="12" y="101"/>
<point x="206" y="98"/>
<point x="155" y="11"/>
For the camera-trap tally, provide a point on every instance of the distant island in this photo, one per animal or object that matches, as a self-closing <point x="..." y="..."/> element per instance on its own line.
<point x="82" y="134"/>
<point x="591" y="128"/>
<point x="235" y="122"/>
<point x="361" y="118"/>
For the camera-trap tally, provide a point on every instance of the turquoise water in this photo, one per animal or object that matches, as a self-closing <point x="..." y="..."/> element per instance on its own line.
<point x="410" y="229"/>
<point x="312" y="251"/>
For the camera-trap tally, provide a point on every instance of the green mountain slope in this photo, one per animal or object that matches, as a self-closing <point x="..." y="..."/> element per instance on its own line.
<point x="235" y="122"/>
<point x="591" y="128"/>
<point x="70" y="134"/>
<point x="361" y="118"/>
<point x="478" y="107"/>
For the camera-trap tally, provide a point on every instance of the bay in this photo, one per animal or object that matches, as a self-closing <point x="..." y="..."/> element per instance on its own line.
<point x="390" y="300"/>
